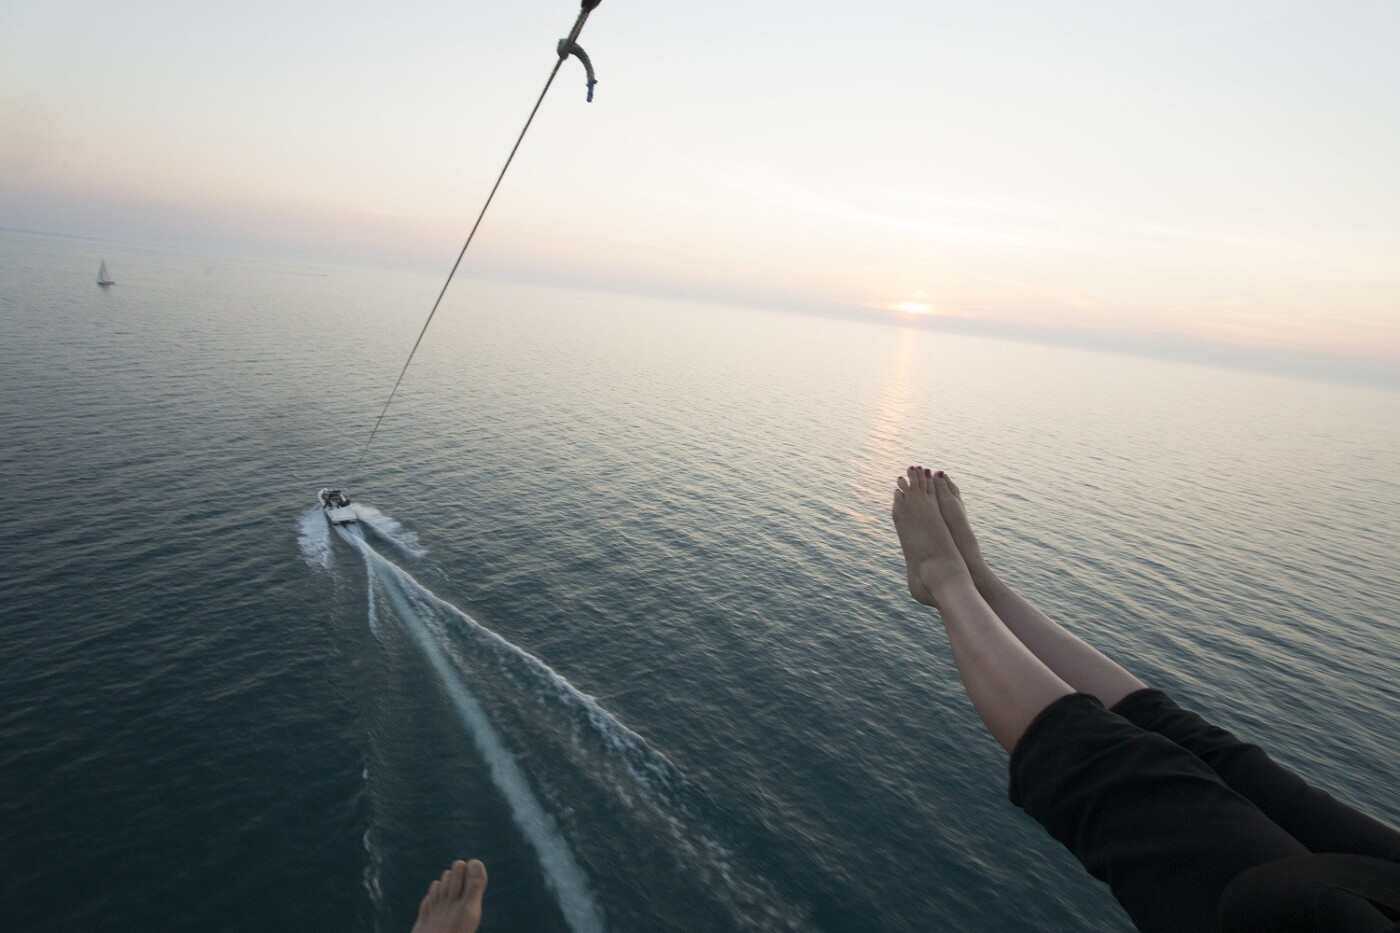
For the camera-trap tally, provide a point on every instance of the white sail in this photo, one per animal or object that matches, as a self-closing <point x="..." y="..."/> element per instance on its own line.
<point x="102" y="277"/>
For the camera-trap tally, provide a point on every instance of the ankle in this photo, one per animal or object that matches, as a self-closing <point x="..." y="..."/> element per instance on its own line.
<point x="944" y="575"/>
<point x="955" y="595"/>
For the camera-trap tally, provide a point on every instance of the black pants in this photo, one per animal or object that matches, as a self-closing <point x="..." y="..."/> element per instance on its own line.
<point x="1194" y="830"/>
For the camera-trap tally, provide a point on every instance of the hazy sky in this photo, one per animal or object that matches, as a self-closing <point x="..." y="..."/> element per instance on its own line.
<point x="1222" y="170"/>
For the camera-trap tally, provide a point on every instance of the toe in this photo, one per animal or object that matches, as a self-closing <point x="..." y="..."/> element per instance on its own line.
<point x="457" y="879"/>
<point x="476" y="881"/>
<point x="903" y="484"/>
<point x="955" y="516"/>
<point x="434" y="893"/>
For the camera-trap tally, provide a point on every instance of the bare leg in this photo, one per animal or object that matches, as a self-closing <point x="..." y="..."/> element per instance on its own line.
<point x="1077" y="663"/>
<point x="1008" y="685"/>
<point x="453" y="902"/>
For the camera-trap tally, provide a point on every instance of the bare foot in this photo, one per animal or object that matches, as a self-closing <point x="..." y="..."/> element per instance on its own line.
<point x="931" y="558"/>
<point x="955" y="517"/>
<point x="453" y="902"/>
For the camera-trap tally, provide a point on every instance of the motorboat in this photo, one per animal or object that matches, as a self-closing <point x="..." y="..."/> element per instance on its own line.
<point x="337" y="505"/>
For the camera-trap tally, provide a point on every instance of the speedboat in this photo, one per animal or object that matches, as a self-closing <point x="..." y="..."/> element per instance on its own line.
<point x="337" y="506"/>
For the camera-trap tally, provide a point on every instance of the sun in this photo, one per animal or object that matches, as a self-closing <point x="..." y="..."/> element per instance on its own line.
<point x="914" y="307"/>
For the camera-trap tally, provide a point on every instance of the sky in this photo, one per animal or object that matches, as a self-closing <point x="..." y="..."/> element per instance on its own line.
<point x="1195" y="174"/>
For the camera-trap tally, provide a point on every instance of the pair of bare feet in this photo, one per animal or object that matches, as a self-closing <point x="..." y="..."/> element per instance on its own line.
<point x="453" y="902"/>
<point x="940" y="550"/>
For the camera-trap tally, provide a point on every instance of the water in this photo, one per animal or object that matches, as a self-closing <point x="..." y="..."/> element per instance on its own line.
<point x="625" y="617"/>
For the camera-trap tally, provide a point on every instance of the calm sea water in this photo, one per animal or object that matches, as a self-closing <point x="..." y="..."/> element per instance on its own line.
<point x="626" y="618"/>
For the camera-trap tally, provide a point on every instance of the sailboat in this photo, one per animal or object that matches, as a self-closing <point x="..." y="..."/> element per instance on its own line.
<point x="103" y="278"/>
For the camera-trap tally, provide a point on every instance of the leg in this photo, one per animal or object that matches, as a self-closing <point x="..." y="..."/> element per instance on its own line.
<point x="1077" y="663"/>
<point x="1310" y="815"/>
<point x="1311" y="893"/>
<point x="453" y="902"/>
<point x="1008" y="685"/>
<point x="1142" y="814"/>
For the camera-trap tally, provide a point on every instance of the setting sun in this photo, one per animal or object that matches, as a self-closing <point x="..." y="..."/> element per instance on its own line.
<point x="914" y="307"/>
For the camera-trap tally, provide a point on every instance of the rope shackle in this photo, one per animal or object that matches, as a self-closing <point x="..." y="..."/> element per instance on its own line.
<point x="569" y="47"/>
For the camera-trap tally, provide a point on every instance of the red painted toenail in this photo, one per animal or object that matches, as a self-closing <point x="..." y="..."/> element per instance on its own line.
<point x="928" y="472"/>
<point x="941" y="474"/>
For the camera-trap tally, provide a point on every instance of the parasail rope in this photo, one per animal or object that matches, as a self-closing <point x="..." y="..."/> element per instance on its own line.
<point x="565" y="48"/>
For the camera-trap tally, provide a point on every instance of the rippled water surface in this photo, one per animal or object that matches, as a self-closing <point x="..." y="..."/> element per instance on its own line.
<point x="625" y="616"/>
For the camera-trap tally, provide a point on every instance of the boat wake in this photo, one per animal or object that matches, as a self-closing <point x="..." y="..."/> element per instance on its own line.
<point x="314" y="535"/>
<point x="390" y="530"/>
<point x="582" y="788"/>
<point x="314" y="539"/>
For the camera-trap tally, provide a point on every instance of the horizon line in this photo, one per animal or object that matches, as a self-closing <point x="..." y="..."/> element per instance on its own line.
<point x="1334" y="368"/>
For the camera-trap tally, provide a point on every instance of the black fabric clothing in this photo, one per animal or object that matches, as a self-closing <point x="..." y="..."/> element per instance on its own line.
<point x="1134" y="793"/>
<point x="1312" y="816"/>
<point x="1314" y="893"/>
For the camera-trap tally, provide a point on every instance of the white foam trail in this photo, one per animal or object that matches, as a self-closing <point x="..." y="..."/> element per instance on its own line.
<point x="314" y="538"/>
<point x="648" y="766"/>
<point x="654" y="780"/>
<point x="636" y="774"/>
<point x="390" y="530"/>
<point x="373" y="865"/>
<point x="562" y="871"/>
<point x="374" y="609"/>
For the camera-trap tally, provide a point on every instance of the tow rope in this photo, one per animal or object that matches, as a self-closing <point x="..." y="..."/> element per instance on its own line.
<point x="566" y="47"/>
